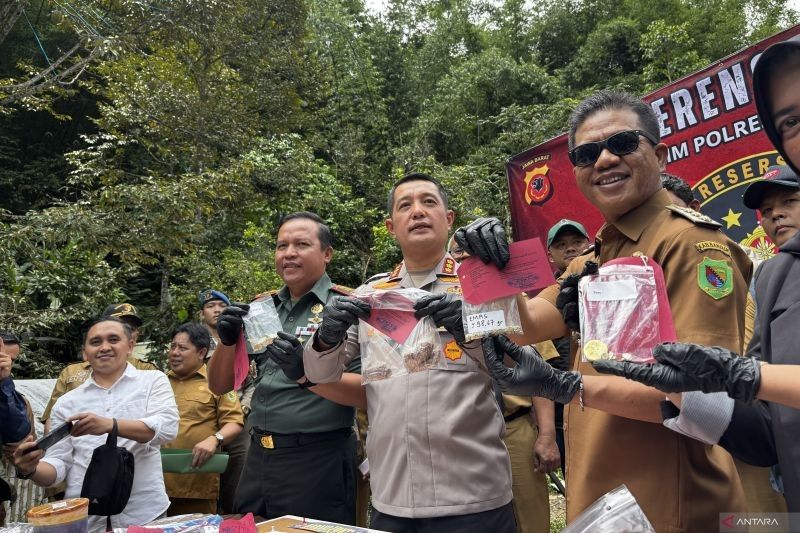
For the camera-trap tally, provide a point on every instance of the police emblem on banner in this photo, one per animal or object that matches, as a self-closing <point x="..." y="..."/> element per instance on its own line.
<point x="538" y="186"/>
<point x="720" y="194"/>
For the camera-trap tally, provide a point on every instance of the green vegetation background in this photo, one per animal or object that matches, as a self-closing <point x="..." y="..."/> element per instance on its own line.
<point x="157" y="156"/>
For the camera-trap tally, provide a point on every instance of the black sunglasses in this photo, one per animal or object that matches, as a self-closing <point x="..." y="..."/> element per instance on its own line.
<point x="621" y="143"/>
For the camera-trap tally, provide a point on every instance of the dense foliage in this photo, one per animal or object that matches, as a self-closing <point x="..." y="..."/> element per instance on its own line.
<point x="147" y="149"/>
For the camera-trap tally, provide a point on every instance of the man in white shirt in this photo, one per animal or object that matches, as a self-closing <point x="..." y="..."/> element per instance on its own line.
<point x="143" y="405"/>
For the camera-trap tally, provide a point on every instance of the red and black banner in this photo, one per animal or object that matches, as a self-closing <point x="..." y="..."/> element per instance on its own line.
<point x="710" y="123"/>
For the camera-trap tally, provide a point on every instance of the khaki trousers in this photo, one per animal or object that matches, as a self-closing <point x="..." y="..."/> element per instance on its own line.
<point x="531" y="500"/>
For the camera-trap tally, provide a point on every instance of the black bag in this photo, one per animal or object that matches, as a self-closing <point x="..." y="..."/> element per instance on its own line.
<point x="109" y="478"/>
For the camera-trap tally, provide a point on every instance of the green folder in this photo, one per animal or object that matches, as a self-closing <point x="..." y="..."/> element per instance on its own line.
<point x="179" y="461"/>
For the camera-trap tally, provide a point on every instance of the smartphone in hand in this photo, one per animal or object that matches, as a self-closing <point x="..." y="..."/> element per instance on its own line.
<point x="53" y="437"/>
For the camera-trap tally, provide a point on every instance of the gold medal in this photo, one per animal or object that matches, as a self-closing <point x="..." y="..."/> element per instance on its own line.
<point x="595" y="350"/>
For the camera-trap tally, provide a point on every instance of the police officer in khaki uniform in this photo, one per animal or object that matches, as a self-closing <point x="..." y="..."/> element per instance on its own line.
<point x="436" y="455"/>
<point x="302" y="454"/>
<point x="207" y="421"/>
<point x="72" y="376"/>
<point x="681" y="484"/>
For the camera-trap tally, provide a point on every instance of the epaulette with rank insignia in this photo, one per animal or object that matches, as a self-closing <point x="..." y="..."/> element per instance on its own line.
<point x="378" y="276"/>
<point x="341" y="289"/>
<point x="264" y="294"/>
<point x="694" y="216"/>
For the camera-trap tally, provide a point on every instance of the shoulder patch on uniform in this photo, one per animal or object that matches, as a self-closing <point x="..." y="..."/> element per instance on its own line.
<point x="378" y="276"/>
<point x="704" y="246"/>
<point x="341" y="289"/>
<point x="694" y="216"/>
<point x="264" y="294"/>
<point x="448" y="279"/>
<point x="386" y="285"/>
<point x="715" y="277"/>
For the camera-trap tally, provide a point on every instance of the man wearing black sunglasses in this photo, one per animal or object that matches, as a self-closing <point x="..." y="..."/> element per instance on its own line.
<point x="681" y="484"/>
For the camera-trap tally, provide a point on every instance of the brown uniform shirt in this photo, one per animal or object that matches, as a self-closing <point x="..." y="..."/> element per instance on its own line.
<point x="680" y="483"/>
<point x="202" y="414"/>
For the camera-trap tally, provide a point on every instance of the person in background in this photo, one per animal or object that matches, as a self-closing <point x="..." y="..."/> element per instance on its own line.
<point x="143" y="406"/>
<point x="530" y="427"/>
<point x="207" y="421"/>
<point x="212" y="302"/>
<point x="566" y="240"/>
<point x="16" y="416"/>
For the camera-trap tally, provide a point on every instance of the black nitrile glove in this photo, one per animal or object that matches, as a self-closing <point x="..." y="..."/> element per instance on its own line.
<point x="287" y="352"/>
<point x="230" y="323"/>
<point x="567" y="301"/>
<point x="445" y="310"/>
<point x="690" y="367"/>
<point x="338" y="316"/>
<point x="485" y="238"/>
<point x="532" y="376"/>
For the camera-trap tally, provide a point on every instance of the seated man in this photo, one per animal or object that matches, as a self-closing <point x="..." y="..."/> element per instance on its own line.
<point x="142" y="404"/>
<point x="207" y="421"/>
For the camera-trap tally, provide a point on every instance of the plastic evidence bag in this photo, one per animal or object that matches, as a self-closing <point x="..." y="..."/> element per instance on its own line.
<point x="261" y="324"/>
<point x="393" y="341"/>
<point x="624" y="311"/>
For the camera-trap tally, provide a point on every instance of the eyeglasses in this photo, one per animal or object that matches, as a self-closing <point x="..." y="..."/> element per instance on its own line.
<point x="621" y="143"/>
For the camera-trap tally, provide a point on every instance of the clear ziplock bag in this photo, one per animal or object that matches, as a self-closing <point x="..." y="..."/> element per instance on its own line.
<point x="495" y="317"/>
<point x="624" y="311"/>
<point x="261" y="325"/>
<point x="613" y="512"/>
<point x="394" y="342"/>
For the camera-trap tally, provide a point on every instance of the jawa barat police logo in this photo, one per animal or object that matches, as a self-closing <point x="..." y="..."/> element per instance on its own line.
<point x="538" y="186"/>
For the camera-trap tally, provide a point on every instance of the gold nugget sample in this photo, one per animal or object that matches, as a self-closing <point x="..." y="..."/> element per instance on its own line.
<point x="595" y="350"/>
<point x="377" y="373"/>
<point x="263" y="342"/>
<point x="421" y="358"/>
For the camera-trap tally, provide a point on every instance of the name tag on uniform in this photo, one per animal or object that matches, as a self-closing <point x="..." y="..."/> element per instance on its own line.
<point x="306" y="331"/>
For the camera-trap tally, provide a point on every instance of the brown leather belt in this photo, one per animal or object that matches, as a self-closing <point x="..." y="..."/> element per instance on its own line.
<point x="269" y="440"/>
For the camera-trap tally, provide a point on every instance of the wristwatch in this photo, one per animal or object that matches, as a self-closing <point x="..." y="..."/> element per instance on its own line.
<point x="306" y="384"/>
<point x="219" y="437"/>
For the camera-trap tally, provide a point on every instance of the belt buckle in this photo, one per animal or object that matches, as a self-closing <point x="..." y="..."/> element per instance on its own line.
<point x="266" y="442"/>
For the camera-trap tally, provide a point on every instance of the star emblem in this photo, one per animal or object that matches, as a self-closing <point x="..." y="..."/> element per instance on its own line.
<point x="732" y="219"/>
